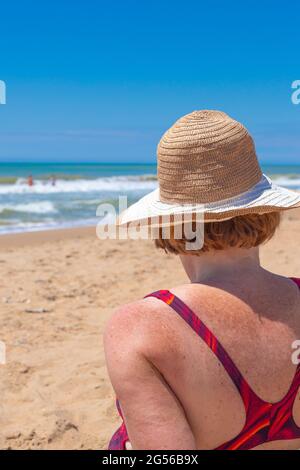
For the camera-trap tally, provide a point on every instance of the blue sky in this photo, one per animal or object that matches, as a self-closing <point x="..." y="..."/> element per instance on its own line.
<point x="100" y="81"/>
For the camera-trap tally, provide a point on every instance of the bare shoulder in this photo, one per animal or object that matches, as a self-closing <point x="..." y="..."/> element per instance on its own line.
<point x="138" y="337"/>
<point x="132" y="317"/>
<point x="143" y="326"/>
<point x="154" y="417"/>
<point x="145" y="317"/>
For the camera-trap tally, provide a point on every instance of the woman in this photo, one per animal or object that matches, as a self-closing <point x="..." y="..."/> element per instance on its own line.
<point x="208" y="364"/>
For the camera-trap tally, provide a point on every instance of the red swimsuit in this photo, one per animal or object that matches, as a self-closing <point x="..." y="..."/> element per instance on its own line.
<point x="265" y="422"/>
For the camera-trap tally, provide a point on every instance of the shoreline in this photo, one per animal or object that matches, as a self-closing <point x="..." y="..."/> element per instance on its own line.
<point x="37" y="237"/>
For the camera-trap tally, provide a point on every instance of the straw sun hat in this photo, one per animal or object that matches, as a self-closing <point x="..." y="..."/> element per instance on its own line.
<point x="207" y="165"/>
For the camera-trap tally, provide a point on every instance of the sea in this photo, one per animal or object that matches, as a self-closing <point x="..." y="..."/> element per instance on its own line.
<point x="67" y="195"/>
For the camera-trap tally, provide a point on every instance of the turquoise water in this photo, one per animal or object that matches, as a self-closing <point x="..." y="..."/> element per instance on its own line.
<point x="66" y="194"/>
<point x="73" y="199"/>
<point x="73" y="170"/>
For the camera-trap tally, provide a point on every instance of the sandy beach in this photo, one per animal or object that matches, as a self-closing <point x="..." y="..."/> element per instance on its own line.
<point x="57" y="290"/>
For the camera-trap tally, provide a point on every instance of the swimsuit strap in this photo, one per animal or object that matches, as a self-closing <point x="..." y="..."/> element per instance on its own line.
<point x="247" y="394"/>
<point x="249" y="397"/>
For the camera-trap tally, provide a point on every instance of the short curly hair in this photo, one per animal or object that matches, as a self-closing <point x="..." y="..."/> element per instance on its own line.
<point x="246" y="231"/>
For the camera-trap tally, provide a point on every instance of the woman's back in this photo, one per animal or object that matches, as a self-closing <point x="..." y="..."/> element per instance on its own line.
<point x="256" y="320"/>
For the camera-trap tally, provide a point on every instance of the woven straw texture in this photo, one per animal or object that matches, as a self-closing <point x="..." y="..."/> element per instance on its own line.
<point x="207" y="165"/>
<point x="206" y="156"/>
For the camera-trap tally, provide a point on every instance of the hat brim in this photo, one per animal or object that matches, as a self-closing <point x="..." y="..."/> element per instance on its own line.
<point x="264" y="197"/>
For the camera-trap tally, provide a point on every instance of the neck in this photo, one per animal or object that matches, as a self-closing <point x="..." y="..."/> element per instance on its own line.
<point x="221" y="265"/>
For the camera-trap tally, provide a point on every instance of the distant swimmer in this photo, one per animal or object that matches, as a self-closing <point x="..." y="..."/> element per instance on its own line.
<point x="53" y="180"/>
<point x="30" y="180"/>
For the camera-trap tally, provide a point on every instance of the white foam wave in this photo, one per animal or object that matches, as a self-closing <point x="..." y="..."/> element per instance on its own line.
<point x="290" y="182"/>
<point x="41" y="207"/>
<point x="117" y="183"/>
<point x="49" y="225"/>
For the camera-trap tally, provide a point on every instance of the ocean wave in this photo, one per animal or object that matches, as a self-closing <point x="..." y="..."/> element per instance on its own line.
<point x="28" y="227"/>
<point x="87" y="202"/>
<point x="114" y="183"/>
<point x="120" y="184"/>
<point x="46" y="225"/>
<point x="41" y="207"/>
<point x="287" y="181"/>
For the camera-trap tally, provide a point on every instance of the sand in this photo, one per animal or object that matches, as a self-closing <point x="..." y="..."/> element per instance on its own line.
<point x="57" y="290"/>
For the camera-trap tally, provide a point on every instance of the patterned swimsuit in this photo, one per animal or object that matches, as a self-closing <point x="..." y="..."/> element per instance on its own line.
<point x="265" y="422"/>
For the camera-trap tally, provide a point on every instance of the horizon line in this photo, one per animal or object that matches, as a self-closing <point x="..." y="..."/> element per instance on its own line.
<point x="115" y="163"/>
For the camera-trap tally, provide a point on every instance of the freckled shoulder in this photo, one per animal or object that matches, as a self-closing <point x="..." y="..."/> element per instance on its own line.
<point x="145" y="324"/>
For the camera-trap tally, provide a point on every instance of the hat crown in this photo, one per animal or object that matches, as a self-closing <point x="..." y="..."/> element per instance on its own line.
<point x="206" y="156"/>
